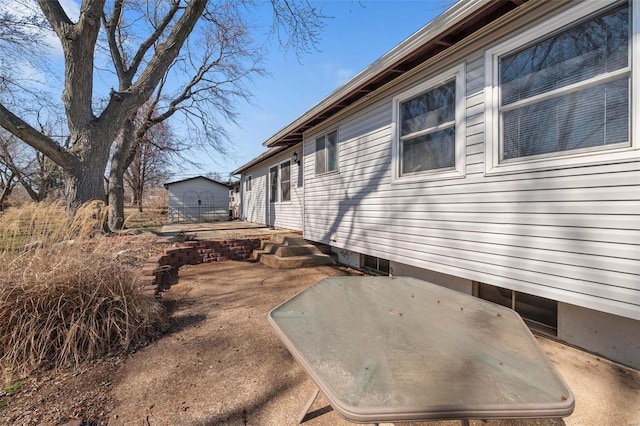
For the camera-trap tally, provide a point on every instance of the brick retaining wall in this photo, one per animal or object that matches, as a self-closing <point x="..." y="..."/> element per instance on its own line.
<point x="160" y="272"/>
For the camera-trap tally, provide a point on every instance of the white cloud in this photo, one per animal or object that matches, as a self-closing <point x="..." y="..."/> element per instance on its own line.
<point x="343" y="75"/>
<point x="337" y="75"/>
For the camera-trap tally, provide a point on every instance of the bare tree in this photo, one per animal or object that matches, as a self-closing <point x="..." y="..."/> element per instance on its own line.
<point x="217" y="176"/>
<point x="92" y="132"/>
<point x="217" y="60"/>
<point x="21" y="28"/>
<point x="8" y="181"/>
<point x="151" y="162"/>
<point x="38" y="175"/>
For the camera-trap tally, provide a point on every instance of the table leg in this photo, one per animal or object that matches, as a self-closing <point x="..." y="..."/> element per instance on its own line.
<point x="309" y="404"/>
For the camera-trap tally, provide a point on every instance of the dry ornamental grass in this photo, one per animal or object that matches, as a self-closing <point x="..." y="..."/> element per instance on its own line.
<point x="65" y="297"/>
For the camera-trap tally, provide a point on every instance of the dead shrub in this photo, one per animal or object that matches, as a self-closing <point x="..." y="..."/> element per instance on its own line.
<point x="61" y="304"/>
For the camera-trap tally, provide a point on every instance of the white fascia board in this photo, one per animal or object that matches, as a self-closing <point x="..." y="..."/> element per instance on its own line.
<point x="451" y="17"/>
<point x="264" y="156"/>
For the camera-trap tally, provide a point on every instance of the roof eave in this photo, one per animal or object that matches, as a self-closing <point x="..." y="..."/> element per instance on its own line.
<point x="262" y="157"/>
<point x="457" y="15"/>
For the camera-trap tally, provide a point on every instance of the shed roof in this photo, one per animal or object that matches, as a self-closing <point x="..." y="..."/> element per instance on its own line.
<point x="166" y="185"/>
<point x="456" y="23"/>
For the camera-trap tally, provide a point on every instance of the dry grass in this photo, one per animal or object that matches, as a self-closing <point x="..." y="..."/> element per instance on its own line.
<point x="46" y="224"/>
<point x="68" y="297"/>
<point x="150" y="218"/>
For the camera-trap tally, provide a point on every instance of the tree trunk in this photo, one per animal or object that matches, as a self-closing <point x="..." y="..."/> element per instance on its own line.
<point x="83" y="184"/>
<point x="116" y="176"/>
<point x="6" y="191"/>
<point x="116" y="199"/>
<point x="84" y="177"/>
<point x="139" y="197"/>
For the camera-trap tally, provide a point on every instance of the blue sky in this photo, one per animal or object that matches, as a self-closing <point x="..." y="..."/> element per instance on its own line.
<point x="357" y="35"/>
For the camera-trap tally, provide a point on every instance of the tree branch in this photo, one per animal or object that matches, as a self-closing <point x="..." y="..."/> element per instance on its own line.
<point x="56" y="16"/>
<point x="153" y="38"/>
<point x="127" y="102"/>
<point x="21" y="129"/>
<point x="111" y="27"/>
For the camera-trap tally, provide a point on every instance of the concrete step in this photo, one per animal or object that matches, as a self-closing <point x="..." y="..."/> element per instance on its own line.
<point x="290" y="250"/>
<point x="292" y="262"/>
<point x="302" y="250"/>
<point x="269" y="246"/>
<point x="272" y="247"/>
<point x="289" y="239"/>
<point x="286" y="251"/>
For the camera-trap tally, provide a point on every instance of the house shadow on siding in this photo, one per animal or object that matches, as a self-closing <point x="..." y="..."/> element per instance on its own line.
<point x="349" y="204"/>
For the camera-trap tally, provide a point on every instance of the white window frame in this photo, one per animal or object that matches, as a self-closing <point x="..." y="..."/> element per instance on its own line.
<point x="563" y="159"/>
<point x="458" y="171"/>
<point x="247" y="183"/>
<point x="315" y="152"/>
<point x="278" y="166"/>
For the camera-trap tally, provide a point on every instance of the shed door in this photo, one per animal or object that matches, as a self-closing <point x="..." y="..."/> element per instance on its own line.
<point x="198" y="206"/>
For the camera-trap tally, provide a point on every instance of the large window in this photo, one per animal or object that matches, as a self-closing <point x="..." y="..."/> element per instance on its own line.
<point x="327" y="152"/>
<point x="429" y="128"/>
<point x="285" y="181"/>
<point x="563" y="94"/>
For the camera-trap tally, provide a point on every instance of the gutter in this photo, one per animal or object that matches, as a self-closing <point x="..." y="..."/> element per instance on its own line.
<point x="455" y="23"/>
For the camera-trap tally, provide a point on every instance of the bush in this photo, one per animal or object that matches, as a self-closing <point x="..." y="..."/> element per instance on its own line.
<point x="62" y="303"/>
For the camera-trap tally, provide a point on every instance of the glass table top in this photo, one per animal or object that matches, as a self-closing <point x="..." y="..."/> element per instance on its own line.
<point x="402" y="349"/>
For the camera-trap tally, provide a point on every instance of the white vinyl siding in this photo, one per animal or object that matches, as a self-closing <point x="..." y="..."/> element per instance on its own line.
<point x="570" y="234"/>
<point x="281" y="214"/>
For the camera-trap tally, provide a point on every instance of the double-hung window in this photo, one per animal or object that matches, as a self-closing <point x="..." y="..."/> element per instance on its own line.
<point x="327" y="152"/>
<point x="285" y="181"/>
<point x="248" y="183"/>
<point x="273" y="187"/>
<point x="561" y="97"/>
<point x="429" y="128"/>
<point x="280" y="182"/>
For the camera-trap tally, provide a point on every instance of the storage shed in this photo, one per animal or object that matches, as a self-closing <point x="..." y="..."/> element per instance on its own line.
<point x="198" y="199"/>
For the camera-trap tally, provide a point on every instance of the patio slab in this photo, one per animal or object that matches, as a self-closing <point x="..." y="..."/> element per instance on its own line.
<point x="222" y="364"/>
<point x="218" y="231"/>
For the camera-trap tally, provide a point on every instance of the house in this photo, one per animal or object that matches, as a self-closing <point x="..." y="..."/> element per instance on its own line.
<point x="198" y="199"/>
<point x="495" y="152"/>
<point x="234" y="200"/>
<point x="271" y="188"/>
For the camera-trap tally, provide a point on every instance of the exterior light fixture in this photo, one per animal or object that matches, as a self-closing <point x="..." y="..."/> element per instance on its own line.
<point x="294" y="157"/>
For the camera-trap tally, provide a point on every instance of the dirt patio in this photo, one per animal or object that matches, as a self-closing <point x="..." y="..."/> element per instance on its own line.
<point x="222" y="364"/>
